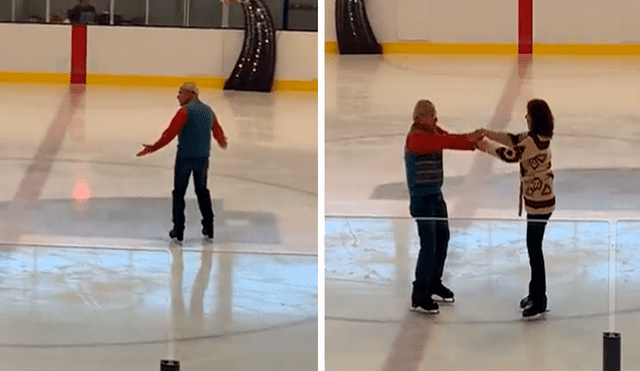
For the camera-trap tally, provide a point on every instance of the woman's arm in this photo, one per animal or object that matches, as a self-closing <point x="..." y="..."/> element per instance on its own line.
<point x="504" y="153"/>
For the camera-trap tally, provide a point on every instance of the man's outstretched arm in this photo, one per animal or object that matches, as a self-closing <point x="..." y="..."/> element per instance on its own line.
<point x="177" y="123"/>
<point x="423" y="142"/>
<point x="218" y="133"/>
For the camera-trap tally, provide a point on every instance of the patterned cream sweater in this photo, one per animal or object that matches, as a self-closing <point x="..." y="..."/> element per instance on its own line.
<point x="536" y="176"/>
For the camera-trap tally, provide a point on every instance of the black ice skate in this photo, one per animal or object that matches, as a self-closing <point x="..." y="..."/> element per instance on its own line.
<point x="208" y="233"/>
<point x="535" y="309"/>
<point x="533" y="312"/>
<point x="176" y="236"/>
<point x="425" y="306"/>
<point x="525" y="303"/>
<point x="444" y="293"/>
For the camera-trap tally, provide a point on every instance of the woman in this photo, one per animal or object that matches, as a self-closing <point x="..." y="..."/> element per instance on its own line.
<point x="531" y="150"/>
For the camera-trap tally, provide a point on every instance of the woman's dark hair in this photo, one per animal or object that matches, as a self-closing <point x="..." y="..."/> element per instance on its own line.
<point x="541" y="118"/>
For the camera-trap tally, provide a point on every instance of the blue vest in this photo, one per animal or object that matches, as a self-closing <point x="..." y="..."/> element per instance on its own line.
<point x="194" y="141"/>
<point x="424" y="173"/>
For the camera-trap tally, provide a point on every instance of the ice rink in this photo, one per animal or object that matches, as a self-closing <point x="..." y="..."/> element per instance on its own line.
<point x="591" y="244"/>
<point x="89" y="279"/>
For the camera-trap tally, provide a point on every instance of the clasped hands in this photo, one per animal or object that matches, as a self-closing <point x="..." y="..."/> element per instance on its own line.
<point x="477" y="136"/>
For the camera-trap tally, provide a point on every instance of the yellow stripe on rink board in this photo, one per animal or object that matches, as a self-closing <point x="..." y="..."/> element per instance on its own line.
<point x="454" y="48"/>
<point x="417" y="47"/>
<point x="161" y="81"/>
<point x="203" y="82"/>
<point x="587" y="49"/>
<point x="37" y="77"/>
<point x="292" y="85"/>
<point x="331" y="47"/>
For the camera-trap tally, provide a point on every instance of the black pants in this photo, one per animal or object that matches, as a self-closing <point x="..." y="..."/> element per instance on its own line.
<point x="535" y="234"/>
<point x="434" y="240"/>
<point x="183" y="169"/>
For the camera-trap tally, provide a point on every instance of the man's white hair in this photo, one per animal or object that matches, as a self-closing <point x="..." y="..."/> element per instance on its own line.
<point x="423" y="108"/>
<point x="190" y="86"/>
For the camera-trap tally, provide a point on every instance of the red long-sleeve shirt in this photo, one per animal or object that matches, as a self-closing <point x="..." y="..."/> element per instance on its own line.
<point x="420" y="141"/>
<point x="176" y="125"/>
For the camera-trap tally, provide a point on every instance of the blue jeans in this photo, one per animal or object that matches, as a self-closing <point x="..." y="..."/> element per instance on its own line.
<point x="183" y="169"/>
<point x="434" y="240"/>
<point x="535" y="234"/>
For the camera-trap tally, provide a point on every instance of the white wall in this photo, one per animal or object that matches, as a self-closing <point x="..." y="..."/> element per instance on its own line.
<point x="496" y="21"/>
<point x="296" y="55"/>
<point x="330" y="20"/>
<point x="451" y="21"/>
<point x="153" y="51"/>
<point x="587" y="21"/>
<point x="150" y="51"/>
<point x="436" y="20"/>
<point x="35" y="48"/>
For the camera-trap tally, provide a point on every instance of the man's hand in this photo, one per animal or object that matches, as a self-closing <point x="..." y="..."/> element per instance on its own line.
<point x="482" y="145"/>
<point x="146" y="150"/>
<point x="477" y="135"/>
<point x="223" y="143"/>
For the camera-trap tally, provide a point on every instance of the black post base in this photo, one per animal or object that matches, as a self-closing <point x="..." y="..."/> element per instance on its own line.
<point x="611" y="351"/>
<point x="169" y="365"/>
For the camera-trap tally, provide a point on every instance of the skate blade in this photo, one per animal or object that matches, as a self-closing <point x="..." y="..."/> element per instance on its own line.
<point x="443" y="300"/>
<point x="537" y="316"/>
<point x="422" y="310"/>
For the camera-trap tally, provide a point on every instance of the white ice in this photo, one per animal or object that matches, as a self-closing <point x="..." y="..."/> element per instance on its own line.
<point x="88" y="277"/>
<point x="371" y="243"/>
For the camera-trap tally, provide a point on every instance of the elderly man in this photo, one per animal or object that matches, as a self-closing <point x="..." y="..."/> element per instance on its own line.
<point x="192" y="124"/>
<point x="423" y="162"/>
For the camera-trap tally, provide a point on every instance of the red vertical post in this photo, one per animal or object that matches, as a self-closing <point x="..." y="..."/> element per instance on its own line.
<point x="525" y="26"/>
<point x="79" y="54"/>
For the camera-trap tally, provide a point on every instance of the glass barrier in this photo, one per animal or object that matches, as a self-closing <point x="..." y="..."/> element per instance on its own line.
<point x="276" y="7"/>
<point x="208" y="14"/>
<point x="29" y="11"/>
<point x="301" y="15"/>
<point x="96" y="308"/>
<point x="287" y="14"/>
<point x="5" y="10"/>
<point x="166" y="13"/>
<point x="65" y="11"/>
<point x="369" y="270"/>
<point x="627" y="289"/>
<point x="132" y="12"/>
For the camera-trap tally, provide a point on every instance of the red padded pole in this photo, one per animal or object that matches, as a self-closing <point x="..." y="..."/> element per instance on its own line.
<point x="525" y="26"/>
<point x="79" y="54"/>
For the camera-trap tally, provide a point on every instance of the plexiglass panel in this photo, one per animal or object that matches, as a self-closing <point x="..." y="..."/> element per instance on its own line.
<point x="369" y="269"/>
<point x="5" y="10"/>
<point x="30" y="11"/>
<point x="627" y="290"/>
<point x="299" y="15"/>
